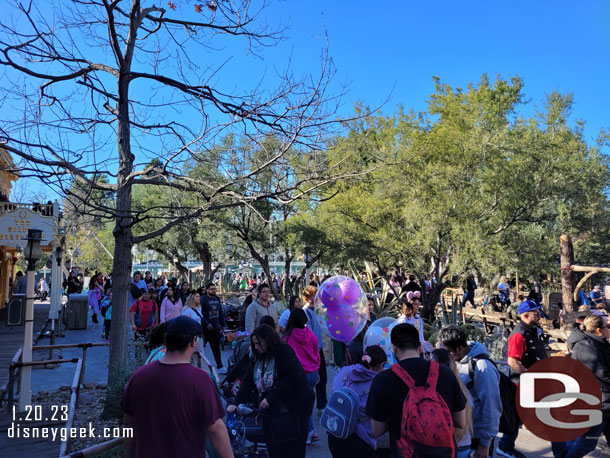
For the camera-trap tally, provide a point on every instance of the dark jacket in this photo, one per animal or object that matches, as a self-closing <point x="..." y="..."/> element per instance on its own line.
<point x="72" y="285"/>
<point x="594" y="352"/>
<point x="576" y="336"/>
<point x="291" y="388"/>
<point x="535" y="346"/>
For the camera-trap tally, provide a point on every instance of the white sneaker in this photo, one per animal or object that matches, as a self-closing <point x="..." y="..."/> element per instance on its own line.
<point x="222" y="370"/>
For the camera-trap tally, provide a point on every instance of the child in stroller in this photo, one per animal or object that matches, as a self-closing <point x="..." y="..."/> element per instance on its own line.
<point x="240" y="360"/>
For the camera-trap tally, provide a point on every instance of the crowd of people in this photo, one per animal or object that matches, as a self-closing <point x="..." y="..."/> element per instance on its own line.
<point x="445" y="400"/>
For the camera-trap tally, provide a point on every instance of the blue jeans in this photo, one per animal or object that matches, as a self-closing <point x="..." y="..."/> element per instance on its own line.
<point x="508" y="440"/>
<point x="312" y="380"/>
<point x="468" y="297"/>
<point x="580" y="446"/>
<point x="464" y="453"/>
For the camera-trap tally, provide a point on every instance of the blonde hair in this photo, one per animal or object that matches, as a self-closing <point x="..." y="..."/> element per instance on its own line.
<point x="593" y="322"/>
<point x="309" y="292"/>
<point x="191" y="299"/>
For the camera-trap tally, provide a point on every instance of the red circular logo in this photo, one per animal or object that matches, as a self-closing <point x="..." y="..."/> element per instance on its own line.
<point x="559" y="399"/>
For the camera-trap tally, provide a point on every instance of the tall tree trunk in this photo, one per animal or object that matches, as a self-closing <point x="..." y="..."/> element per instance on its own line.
<point x="118" y="367"/>
<point x="287" y="283"/>
<point x="183" y="272"/>
<point x="203" y="248"/>
<point x="118" y="370"/>
<point x="264" y="263"/>
<point x="567" y="275"/>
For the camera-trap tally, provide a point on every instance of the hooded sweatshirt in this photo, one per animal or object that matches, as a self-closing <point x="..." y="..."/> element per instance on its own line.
<point x="313" y="323"/>
<point x="359" y="379"/>
<point x="487" y="404"/>
<point x="305" y="345"/>
<point x="594" y="352"/>
<point x="575" y="336"/>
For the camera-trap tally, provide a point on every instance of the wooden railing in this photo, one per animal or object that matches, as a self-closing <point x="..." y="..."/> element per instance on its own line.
<point x="16" y="364"/>
<point x="74" y="392"/>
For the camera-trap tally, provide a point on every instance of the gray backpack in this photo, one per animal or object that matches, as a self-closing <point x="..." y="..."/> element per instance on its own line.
<point x="340" y="416"/>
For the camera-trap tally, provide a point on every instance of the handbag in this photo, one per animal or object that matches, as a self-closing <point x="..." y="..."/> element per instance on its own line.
<point x="285" y="425"/>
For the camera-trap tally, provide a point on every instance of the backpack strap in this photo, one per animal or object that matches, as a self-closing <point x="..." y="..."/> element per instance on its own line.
<point x="472" y="367"/>
<point x="433" y="375"/>
<point x="403" y="375"/>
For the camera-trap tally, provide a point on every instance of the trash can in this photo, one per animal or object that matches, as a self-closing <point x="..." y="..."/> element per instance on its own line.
<point x="77" y="311"/>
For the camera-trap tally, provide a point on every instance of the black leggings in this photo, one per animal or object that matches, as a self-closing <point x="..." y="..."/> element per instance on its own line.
<point x="213" y="338"/>
<point x="350" y="447"/>
<point x="290" y="449"/>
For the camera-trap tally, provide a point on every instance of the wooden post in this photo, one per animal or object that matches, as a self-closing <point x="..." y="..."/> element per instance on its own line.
<point x="81" y="378"/>
<point x="567" y="275"/>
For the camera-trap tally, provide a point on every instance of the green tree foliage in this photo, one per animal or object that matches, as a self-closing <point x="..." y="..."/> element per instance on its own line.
<point x="468" y="183"/>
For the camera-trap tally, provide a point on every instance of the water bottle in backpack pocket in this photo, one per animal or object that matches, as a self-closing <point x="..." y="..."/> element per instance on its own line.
<point x="340" y="416"/>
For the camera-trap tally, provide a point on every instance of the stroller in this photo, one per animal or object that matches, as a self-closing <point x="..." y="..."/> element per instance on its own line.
<point x="237" y="365"/>
<point x="231" y="314"/>
<point x="246" y="433"/>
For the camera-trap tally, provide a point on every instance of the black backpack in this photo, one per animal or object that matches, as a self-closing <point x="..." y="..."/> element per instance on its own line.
<point x="509" y="421"/>
<point x="135" y="291"/>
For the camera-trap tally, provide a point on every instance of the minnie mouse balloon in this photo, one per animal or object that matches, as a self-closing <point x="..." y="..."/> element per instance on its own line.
<point x="342" y="308"/>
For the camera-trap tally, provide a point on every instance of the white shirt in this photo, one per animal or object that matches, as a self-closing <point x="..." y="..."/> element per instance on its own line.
<point x="415" y="321"/>
<point x="43" y="286"/>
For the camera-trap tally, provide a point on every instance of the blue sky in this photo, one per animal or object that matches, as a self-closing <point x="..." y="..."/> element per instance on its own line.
<point x="395" y="48"/>
<point x="558" y="45"/>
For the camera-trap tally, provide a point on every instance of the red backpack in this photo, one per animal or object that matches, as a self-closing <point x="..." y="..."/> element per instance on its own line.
<point x="427" y="425"/>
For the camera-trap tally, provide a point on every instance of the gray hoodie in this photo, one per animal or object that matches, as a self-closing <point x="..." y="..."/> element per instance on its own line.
<point x="487" y="404"/>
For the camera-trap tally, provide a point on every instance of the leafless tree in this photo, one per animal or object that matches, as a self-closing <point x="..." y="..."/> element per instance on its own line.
<point x="118" y="88"/>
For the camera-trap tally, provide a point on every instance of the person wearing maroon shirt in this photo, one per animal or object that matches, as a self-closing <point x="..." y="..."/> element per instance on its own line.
<point x="525" y="347"/>
<point x="171" y="405"/>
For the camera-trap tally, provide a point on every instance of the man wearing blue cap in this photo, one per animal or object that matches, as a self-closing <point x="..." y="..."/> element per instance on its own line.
<point x="525" y="347"/>
<point x="171" y="405"/>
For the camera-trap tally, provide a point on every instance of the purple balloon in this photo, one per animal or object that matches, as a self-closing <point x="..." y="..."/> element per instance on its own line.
<point x="343" y="325"/>
<point x="331" y="294"/>
<point x="351" y="292"/>
<point x="342" y="307"/>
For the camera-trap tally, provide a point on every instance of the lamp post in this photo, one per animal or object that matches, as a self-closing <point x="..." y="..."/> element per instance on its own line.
<point x="32" y="252"/>
<point x="307" y="259"/>
<point x="56" y="277"/>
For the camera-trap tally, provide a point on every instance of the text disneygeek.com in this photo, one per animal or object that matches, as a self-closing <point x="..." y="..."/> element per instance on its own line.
<point x="18" y="431"/>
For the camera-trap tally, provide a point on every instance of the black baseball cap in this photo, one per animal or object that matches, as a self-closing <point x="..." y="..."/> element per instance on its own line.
<point x="183" y="326"/>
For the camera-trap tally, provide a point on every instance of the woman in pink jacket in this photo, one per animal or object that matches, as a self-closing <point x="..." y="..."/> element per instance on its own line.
<point x="305" y="344"/>
<point x="171" y="307"/>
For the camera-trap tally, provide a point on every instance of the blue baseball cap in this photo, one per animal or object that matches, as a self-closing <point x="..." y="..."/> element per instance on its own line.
<point x="528" y="306"/>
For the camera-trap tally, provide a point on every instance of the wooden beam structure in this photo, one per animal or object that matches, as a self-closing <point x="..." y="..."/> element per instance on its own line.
<point x="567" y="274"/>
